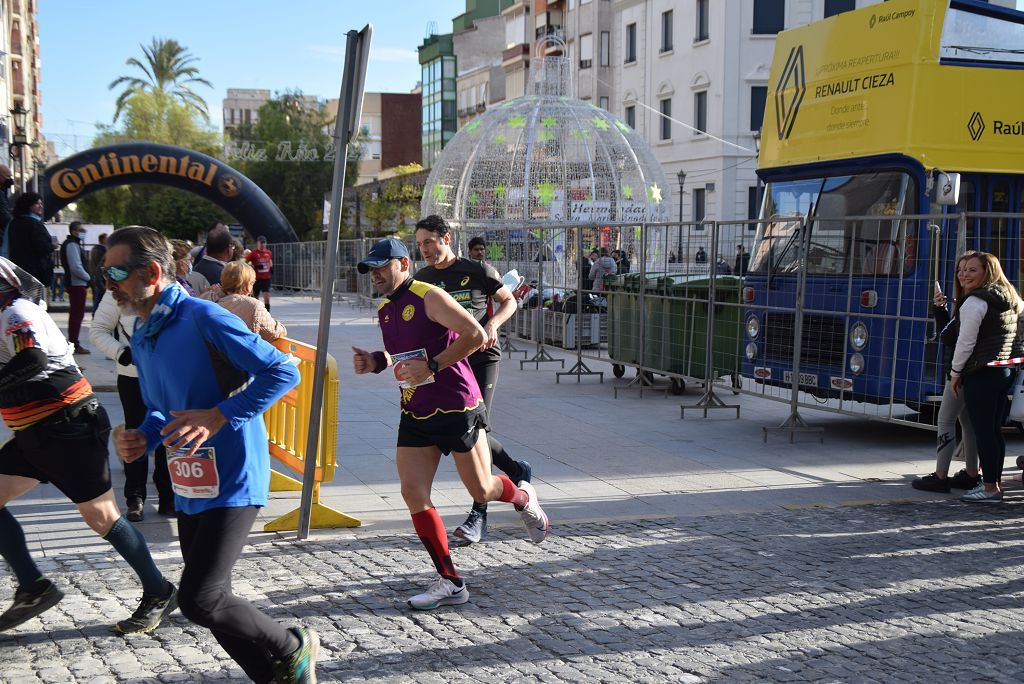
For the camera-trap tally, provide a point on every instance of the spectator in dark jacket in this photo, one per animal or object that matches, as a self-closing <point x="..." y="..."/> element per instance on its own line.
<point x="30" y="243"/>
<point x="6" y="183"/>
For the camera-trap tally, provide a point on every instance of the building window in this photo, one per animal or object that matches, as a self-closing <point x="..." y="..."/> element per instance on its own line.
<point x="769" y="16"/>
<point x="754" y="195"/>
<point x="606" y="41"/>
<point x="630" y="43"/>
<point x="586" y="50"/>
<point x="666" y="31"/>
<point x="699" y="197"/>
<point x="630" y="115"/>
<point x="703" y="32"/>
<point x="666" y="119"/>
<point x="758" y="96"/>
<point x="700" y="111"/>
<point x="834" y="7"/>
<point x="603" y="102"/>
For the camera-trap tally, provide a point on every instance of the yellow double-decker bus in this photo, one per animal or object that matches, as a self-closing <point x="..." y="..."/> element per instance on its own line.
<point x="893" y="139"/>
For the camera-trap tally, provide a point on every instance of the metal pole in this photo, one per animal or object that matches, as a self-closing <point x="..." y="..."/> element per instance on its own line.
<point x="350" y="105"/>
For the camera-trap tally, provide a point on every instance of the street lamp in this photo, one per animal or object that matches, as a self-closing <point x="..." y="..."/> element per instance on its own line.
<point x="35" y="164"/>
<point x="20" y="139"/>
<point x="679" y="245"/>
<point x="757" y="154"/>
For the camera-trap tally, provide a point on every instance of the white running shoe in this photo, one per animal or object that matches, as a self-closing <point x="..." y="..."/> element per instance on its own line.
<point x="442" y="592"/>
<point x="533" y="515"/>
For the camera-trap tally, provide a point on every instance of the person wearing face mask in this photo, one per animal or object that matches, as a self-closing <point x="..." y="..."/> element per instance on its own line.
<point x="6" y="183"/>
<point x="76" y="280"/>
<point x="31" y="246"/>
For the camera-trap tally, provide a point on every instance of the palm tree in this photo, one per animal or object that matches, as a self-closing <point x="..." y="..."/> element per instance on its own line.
<point x="169" y="69"/>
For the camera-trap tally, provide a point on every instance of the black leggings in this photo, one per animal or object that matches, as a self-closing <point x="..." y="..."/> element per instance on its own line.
<point x="985" y="391"/>
<point x="211" y="543"/>
<point x="486" y="374"/>
<point x="136" y="472"/>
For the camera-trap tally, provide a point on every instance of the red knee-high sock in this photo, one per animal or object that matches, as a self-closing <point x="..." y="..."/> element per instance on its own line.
<point x="430" y="529"/>
<point x="512" y="494"/>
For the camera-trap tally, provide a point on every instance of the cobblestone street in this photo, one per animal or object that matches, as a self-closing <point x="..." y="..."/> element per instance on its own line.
<point x="888" y="592"/>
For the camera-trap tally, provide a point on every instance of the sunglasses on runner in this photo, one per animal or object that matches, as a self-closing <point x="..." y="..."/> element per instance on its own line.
<point x="117" y="274"/>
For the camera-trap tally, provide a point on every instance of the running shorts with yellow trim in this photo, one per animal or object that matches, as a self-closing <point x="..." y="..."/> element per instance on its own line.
<point x="68" y="449"/>
<point x="450" y="432"/>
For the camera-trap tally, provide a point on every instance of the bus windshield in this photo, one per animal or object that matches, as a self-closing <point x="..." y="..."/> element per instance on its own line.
<point x="870" y="243"/>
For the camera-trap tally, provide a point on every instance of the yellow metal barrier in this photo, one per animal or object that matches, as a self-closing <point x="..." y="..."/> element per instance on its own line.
<point x="287" y="429"/>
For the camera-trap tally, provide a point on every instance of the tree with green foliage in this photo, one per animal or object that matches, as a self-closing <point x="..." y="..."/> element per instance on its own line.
<point x="168" y="69"/>
<point x="298" y="168"/>
<point x="156" y="117"/>
<point x="396" y="205"/>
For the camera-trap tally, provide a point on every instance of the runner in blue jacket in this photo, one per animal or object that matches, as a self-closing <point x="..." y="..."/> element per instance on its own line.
<point x="206" y="379"/>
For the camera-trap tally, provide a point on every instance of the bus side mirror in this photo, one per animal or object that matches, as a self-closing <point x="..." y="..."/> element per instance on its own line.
<point x="947" y="188"/>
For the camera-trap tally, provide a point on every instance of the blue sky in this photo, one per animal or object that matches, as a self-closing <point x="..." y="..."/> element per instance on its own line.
<point x="251" y="44"/>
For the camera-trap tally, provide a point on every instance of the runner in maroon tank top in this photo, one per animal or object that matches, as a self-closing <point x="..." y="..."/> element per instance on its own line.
<point x="428" y="336"/>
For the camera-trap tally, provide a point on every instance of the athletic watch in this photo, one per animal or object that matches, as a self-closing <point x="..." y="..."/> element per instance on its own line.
<point x="432" y="365"/>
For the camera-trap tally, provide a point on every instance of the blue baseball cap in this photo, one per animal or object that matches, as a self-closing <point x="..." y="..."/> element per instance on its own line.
<point x="381" y="253"/>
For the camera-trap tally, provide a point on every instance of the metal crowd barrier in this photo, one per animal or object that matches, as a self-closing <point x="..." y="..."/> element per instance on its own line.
<point x="287" y="424"/>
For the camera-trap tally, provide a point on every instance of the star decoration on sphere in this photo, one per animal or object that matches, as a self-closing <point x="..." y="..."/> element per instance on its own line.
<point x="472" y="125"/>
<point x="627" y="191"/>
<point x="654" y="193"/>
<point x="474" y="199"/>
<point x="623" y="127"/>
<point x="517" y="121"/>
<point x="548" y="122"/>
<point x="499" y="190"/>
<point x="546" y="193"/>
<point x="580" y="133"/>
<point x="599" y="123"/>
<point x="439" y="193"/>
<point x="543" y="136"/>
<point x="499" y="139"/>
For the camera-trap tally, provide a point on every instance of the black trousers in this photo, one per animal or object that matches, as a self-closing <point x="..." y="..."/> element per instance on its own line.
<point x="985" y="391"/>
<point x="211" y="543"/>
<point x="486" y="374"/>
<point x="136" y="472"/>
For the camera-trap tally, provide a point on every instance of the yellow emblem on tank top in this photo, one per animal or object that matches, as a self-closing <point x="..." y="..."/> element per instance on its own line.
<point x="408" y="312"/>
<point x="464" y="282"/>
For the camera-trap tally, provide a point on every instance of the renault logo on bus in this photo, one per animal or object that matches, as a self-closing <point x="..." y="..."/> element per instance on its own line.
<point x="790" y="92"/>
<point x="976" y="126"/>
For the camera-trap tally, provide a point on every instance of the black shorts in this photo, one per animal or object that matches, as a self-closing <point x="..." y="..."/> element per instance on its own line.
<point x="261" y="286"/>
<point x="449" y="432"/>
<point x="69" y="450"/>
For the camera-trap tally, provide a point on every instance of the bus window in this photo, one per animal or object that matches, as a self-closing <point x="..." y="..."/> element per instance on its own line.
<point x="871" y="245"/>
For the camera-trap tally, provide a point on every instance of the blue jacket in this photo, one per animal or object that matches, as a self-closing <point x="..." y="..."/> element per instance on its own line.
<point x="199" y="357"/>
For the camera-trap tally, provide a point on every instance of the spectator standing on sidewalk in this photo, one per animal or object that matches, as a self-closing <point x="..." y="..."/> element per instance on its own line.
<point x="111" y="333"/>
<point x="601" y="269"/>
<point x="76" y="280"/>
<point x="95" y="264"/>
<point x="235" y="295"/>
<point x="475" y="287"/>
<point x="181" y="252"/>
<point x="31" y="245"/>
<point x="206" y="381"/>
<point x="60" y="436"/>
<point x="988" y="307"/>
<point x="6" y="183"/>
<point x="428" y="336"/>
<point x="218" y="251"/>
<point x="952" y="409"/>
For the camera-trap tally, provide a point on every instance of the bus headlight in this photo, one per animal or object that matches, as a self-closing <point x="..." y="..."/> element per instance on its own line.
<point x="753" y="327"/>
<point x="856" y="363"/>
<point x="858" y="336"/>
<point x="751" y="351"/>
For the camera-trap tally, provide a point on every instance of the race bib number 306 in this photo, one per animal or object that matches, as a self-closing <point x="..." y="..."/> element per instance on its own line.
<point x="194" y="477"/>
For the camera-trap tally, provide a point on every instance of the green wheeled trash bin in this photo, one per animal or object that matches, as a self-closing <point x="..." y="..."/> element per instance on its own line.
<point x="687" y="349"/>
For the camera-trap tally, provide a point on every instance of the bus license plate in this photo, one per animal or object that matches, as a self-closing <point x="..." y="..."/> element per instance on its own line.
<point x="806" y="379"/>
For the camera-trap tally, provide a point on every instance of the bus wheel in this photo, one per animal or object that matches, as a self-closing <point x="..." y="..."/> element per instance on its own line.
<point x="618" y="370"/>
<point x="677" y="386"/>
